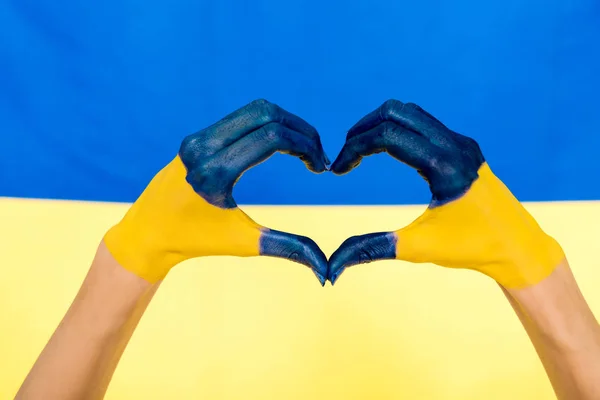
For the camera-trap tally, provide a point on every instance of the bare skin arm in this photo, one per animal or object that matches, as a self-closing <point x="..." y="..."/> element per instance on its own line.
<point x="79" y="360"/>
<point x="564" y="331"/>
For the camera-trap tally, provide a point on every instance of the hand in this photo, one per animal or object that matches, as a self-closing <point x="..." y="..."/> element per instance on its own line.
<point x="188" y="211"/>
<point x="473" y="220"/>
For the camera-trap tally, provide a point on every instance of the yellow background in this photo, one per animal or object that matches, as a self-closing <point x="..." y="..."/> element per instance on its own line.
<point x="260" y="328"/>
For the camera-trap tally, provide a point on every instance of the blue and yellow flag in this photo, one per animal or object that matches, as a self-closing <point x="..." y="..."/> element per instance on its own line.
<point x="95" y="98"/>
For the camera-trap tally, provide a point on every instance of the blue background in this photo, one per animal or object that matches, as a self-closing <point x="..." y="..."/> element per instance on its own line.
<point x="95" y="97"/>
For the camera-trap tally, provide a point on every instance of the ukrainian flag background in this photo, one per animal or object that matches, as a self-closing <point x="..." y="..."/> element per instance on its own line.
<point x="96" y="96"/>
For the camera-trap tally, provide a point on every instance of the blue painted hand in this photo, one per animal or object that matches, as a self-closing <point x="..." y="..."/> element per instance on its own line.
<point x="473" y="221"/>
<point x="188" y="211"/>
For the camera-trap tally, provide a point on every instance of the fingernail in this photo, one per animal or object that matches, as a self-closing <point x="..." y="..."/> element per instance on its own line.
<point x="333" y="279"/>
<point x="321" y="278"/>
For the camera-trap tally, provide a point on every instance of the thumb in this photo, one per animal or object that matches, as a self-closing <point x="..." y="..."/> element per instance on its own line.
<point x="361" y="250"/>
<point x="411" y="243"/>
<point x="296" y="248"/>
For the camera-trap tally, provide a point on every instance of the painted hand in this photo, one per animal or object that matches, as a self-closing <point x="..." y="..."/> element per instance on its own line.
<point x="188" y="211"/>
<point x="473" y="220"/>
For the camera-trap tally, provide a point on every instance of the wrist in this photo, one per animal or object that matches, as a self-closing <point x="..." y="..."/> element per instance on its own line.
<point x="137" y="250"/>
<point x="109" y="296"/>
<point x="557" y="307"/>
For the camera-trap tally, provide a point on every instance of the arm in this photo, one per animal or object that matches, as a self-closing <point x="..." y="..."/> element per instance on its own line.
<point x="473" y="221"/>
<point x="564" y="332"/>
<point x="79" y="360"/>
<point x="187" y="211"/>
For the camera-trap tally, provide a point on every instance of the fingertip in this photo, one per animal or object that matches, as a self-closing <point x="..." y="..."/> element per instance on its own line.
<point x="337" y="263"/>
<point x="323" y="167"/>
<point x="327" y="160"/>
<point x="321" y="279"/>
<point x="348" y="159"/>
<point x="343" y="168"/>
<point x="317" y="169"/>
<point x="339" y="168"/>
<point x="335" y="168"/>
<point x="335" y="277"/>
<point x="315" y="162"/>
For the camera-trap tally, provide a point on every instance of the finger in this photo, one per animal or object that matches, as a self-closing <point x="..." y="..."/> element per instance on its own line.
<point x="401" y="143"/>
<point x="296" y="248"/>
<point x="361" y="250"/>
<point x="413" y="117"/>
<point x="261" y="144"/>
<point x="358" y="147"/>
<point x="251" y="117"/>
<point x="470" y="148"/>
<point x="409" y="116"/>
<point x="374" y="118"/>
<point x="214" y="177"/>
<point x="297" y="124"/>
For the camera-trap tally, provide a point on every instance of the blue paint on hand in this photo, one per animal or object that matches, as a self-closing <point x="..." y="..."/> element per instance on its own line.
<point x="295" y="248"/>
<point x="447" y="160"/>
<point x="216" y="158"/>
<point x="361" y="250"/>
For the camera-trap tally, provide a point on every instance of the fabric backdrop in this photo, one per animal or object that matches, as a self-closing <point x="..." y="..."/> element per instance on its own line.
<point x="96" y="96"/>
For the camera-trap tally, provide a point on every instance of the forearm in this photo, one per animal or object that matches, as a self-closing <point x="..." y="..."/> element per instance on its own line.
<point x="82" y="354"/>
<point x="564" y="332"/>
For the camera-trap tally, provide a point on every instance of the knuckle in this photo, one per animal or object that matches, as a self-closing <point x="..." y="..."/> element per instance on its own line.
<point x="263" y="110"/>
<point x="190" y="143"/>
<point x="387" y="135"/>
<point x="269" y="112"/>
<point x="203" y="172"/>
<point x="469" y="148"/>
<point x="313" y="134"/>
<point x="213" y="169"/>
<point x="364" y="257"/>
<point x="258" y="103"/>
<point x="269" y="132"/>
<point x="192" y="150"/>
<point x="357" y="250"/>
<point x="445" y="167"/>
<point x="199" y="175"/>
<point x="434" y="162"/>
<point x="473" y="144"/>
<point x="297" y="247"/>
<point x="390" y="107"/>
<point x="412" y="107"/>
<point x="388" y="129"/>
